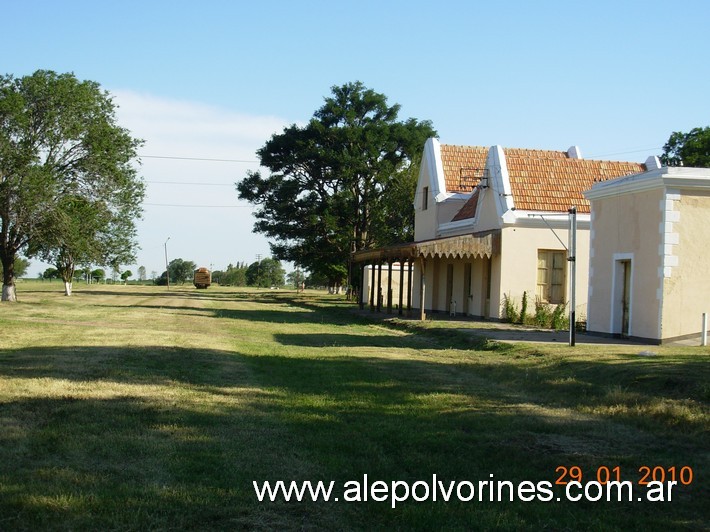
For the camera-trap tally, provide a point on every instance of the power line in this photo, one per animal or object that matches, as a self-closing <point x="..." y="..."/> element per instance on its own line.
<point x="209" y="159"/>
<point x="191" y="183"/>
<point x="196" y="159"/>
<point x="623" y="152"/>
<point x="199" y="206"/>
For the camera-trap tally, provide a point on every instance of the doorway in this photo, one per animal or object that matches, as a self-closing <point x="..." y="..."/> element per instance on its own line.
<point x="622" y="298"/>
<point x="450" y="306"/>
<point x="467" y="295"/>
<point x="486" y="289"/>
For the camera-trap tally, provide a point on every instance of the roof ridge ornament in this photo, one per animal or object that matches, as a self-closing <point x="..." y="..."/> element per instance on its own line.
<point x="574" y="152"/>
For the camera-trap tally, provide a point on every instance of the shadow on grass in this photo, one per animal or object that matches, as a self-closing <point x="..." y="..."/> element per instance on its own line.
<point x="180" y="446"/>
<point x="347" y="340"/>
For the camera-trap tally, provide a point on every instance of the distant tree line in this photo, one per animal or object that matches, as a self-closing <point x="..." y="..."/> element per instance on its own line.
<point x="264" y="274"/>
<point x="88" y="275"/>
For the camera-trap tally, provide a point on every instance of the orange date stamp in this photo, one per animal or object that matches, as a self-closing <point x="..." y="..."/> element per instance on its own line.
<point x="682" y="475"/>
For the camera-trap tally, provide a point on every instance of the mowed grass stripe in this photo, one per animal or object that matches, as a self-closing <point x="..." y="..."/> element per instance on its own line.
<point x="164" y="418"/>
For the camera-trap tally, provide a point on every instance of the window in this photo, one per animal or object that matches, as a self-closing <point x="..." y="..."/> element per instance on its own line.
<point x="425" y="198"/>
<point x="551" y="276"/>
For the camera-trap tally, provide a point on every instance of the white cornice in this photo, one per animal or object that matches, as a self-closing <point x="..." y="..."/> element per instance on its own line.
<point x="520" y="218"/>
<point x="665" y="177"/>
<point x="452" y="228"/>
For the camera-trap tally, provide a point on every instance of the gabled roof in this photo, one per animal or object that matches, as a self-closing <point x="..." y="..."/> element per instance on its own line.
<point x="463" y="166"/>
<point x="552" y="181"/>
<point x="540" y="180"/>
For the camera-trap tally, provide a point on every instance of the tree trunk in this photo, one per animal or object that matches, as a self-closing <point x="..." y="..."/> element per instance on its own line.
<point x="8" y="278"/>
<point x="8" y="292"/>
<point x="67" y="270"/>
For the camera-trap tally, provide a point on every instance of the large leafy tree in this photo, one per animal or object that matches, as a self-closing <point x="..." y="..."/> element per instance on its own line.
<point x="688" y="149"/>
<point x="342" y="183"/>
<point x="232" y="276"/>
<point x="180" y="271"/>
<point x="265" y="273"/>
<point x="89" y="231"/>
<point x="59" y="142"/>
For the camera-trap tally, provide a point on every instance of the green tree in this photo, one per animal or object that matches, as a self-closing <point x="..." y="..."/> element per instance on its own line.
<point x="98" y="274"/>
<point x="688" y="149"/>
<point x="115" y="272"/>
<point x="126" y="275"/>
<point x="181" y="270"/>
<point x="316" y="280"/>
<point x="89" y="231"/>
<point x="85" y="272"/>
<point x="344" y="182"/>
<point x="296" y="278"/>
<point x="58" y="139"/>
<point x="265" y="273"/>
<point x="50" y="273"/>
<point x="232" y="276"/>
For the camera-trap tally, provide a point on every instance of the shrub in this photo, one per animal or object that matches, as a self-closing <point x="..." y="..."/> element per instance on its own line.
<point x="559" y="319"/>
<point x="543" y="313"/>
<point x="524" y="308"/>
<point x="509" y="309"/>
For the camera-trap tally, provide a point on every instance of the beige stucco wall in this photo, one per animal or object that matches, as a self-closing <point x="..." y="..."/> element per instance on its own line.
<point x="430" y="272"/>
<point x="686" y="292"/>
<point x="626" y="227"/>
<point x="416" y="292"/>
<point x="487" y="217"/>
<point x="384" y="280"/>
<point x="512" y="272"/>
<point x="425" y="221"/>
<point x="518" y="264"/>
<point x="436" y="286"/>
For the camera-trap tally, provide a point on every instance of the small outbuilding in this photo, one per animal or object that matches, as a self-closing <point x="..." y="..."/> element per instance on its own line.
<point x="649" y="267"/>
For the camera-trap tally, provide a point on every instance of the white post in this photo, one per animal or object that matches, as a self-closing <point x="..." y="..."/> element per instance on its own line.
<point x="704" y="336"/>
<point x="167" y="268"/>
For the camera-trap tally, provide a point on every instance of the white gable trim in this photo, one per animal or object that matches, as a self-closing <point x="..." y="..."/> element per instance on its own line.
<point x="499" y="180"/>
<point x="432" y="154"/>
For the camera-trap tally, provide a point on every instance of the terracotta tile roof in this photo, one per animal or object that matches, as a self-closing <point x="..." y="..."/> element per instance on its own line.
<point x="469" y="208"/>
<point x="551" y="181"/>
<point x="463" y="166"/>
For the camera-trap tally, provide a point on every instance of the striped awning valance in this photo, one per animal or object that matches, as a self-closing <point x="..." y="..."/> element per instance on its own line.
<point x="472" y="245"/>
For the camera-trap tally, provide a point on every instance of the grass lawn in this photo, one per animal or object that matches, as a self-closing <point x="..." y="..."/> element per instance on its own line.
<point x="134" y="408"/>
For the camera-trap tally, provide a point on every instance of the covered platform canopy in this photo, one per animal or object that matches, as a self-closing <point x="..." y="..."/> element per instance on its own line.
<point x="483" y="244"/>
<point x="472" y="245"/>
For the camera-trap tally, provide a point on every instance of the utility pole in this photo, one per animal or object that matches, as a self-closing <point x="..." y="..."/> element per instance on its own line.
<point x="571" y="249"/>
<point x="258" y="269"/>
<point x="572" y="258"/>
<point x="167" y="270"/>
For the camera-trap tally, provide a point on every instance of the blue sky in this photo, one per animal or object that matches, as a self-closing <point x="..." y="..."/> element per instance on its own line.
<point x="214" y="80"/>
